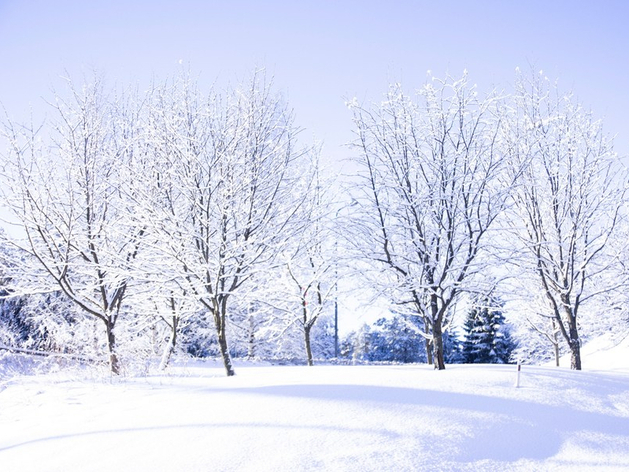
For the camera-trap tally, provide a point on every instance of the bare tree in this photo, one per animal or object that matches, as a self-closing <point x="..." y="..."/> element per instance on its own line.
<point x="227" y="179"/>
<point x="311" y="269"/>
<point x="68" y="184"/>
<point x="567" y="204"/>
<point x="430" y="193"/>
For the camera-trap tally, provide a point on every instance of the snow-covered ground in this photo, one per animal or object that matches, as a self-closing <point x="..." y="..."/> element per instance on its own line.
<point x="337" y="418"/>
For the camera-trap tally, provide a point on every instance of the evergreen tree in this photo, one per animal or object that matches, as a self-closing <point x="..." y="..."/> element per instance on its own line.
<point x="487" y="338"/>
<point x="395" y="340"/>
<point x="452" y="348"/>
<point x="14" y="328"/>
<point x="398" y="339"/>
<point x="503" y="343"/>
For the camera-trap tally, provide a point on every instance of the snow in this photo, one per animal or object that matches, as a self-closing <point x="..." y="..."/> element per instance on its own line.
<point x="608" y="352"/>
<point x="294" y="418"/>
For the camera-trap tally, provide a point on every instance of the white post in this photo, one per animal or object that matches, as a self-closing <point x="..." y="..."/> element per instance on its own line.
<point x="517" y="379"/>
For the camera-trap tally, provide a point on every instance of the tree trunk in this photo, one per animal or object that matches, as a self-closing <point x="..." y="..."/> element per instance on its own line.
<point x="574" y="342"/>
<point x="97" y="333"/>
<point x="575" y="355"/>
<point x="172" y="343"/>
<point x="114" y="364"/>
<point x="220" y="318"/>
<point x="251" y="345"/>
<point x="308" y="348"/>
<point x="428" y="342"/>
<point x="437" y="335"/>
<point x="575" y="348"/>
<point x="555" y="341"/>
<point x="222" y="343"/>
<point x="437" y="339"/>
<point x="227" y="361"/>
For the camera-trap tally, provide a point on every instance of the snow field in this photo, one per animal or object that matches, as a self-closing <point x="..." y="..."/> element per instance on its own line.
<point x="355" y="418"/>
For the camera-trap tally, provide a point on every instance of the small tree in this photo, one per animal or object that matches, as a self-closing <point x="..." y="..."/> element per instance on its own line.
<point x="487" y="338"/>
<point x="311" y="269"/>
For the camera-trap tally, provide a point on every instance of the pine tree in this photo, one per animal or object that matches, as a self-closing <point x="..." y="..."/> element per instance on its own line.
<point x="503" y="344"/>
<point x="395" y="340"/>
<point x="452" y="348"/>
<point x="487" y="338"/>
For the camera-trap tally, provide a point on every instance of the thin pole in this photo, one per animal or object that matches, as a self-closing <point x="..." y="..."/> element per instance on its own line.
<point x="336" y="324"/>
<point x="336" y="300"/>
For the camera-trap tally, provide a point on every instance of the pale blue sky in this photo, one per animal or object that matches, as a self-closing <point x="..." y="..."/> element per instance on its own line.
<point x="320" y="51"/>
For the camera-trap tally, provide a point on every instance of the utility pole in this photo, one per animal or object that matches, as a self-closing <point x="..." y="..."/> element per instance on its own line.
<point x="336" y="295"/>
<point x="336" y="282"/>
<point x="336" y="319"/>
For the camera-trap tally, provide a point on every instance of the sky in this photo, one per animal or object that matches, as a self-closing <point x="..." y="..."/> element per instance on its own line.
<point x="320" y="53"/>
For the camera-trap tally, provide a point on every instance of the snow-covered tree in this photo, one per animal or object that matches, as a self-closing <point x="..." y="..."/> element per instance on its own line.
<point x="14" y="327"/>
<point x="566" y="206"/>
<point x="227" y="182"/>
<point x="395" y="340"/>
<point x="68" y="187"/>
<point x="429" y="194"/>
<point x="308" y="277"/>
<point x="487" y="337"/>
<point x="538" y="340"/>
<point x="452" y="348"/>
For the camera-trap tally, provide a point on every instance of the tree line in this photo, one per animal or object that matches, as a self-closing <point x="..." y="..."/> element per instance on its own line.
<point x="149" y="222"/>
<point x="485" y="339"/>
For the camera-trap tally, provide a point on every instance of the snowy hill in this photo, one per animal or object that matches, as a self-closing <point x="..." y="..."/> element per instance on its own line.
<point x="345" y="418"/>
<point x="606" y="352"/>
